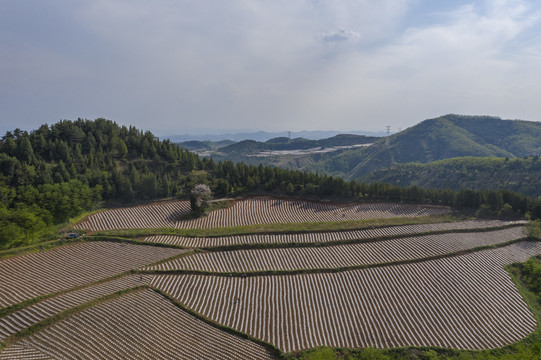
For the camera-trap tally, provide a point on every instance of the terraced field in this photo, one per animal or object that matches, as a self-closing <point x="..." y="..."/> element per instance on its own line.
<point x="158" y="215"/>
<point x="321" y="237"/>
<point x="276" y="211"/>
<point x="23" y="352"/>
<point x="332" y="257"/>
<point x="249" y="212"/>
<point x="20" y="320"/>
<point x="28" y="276"/>
<point x="139" y="325"/>
<point x="465" y="302"/>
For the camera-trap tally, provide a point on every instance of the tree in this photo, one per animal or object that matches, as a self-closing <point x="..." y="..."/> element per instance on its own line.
<point x="199" y="198"/>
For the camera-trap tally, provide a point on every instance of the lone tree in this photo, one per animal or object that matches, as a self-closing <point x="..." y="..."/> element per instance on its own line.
<point x="199" y="198"/>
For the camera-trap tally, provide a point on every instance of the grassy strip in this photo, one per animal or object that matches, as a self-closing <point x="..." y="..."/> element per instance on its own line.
<point x="47" y="245"/>
<point x="170" y="258"/>
<point x="26" y="303"/>
<point x="254" y="246"/>
<point x="273" y="349"/>
<point x="70" y="312"/>
<point x="124" y="240"/>
<point x="16" y="307"/>
<point x="332" y="270"/>
<point x="283" y="228"/>
<point x="531" y="299"/>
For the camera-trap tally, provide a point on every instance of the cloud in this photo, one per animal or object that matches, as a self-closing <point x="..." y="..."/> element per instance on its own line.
<point x="340" y="35"/>
<point x="306" y="64"/>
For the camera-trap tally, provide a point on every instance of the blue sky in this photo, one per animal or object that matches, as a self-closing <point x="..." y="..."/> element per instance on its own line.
<point x="176" y="65"/>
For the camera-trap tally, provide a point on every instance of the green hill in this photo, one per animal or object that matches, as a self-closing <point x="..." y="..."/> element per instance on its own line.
<point x="58" y="172"/>
<point x="248" y="147"/>
<point x="449" y="136"/>
<point x="522" y="175"/>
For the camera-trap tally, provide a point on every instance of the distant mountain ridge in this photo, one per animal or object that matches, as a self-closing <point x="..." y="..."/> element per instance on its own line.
<point x="263" y="136"/>
<point x="451" y="151"/>
<point x="284" y="143"/>
<point x="449" y="136"/>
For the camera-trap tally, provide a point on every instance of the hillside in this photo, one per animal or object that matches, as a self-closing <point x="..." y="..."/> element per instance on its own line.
<point x="194" y="280"/>
<point x="520" y="175"/>
<point x="60" y="171"/>
<point x="170" y="282"/>
<point x="230" y="150"/>
<point x="445" y="137"/>
<point x="57" y="172"/>
<point x="282" y="152"/>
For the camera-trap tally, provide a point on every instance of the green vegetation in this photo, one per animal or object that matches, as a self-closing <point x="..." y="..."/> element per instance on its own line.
<point x="58" y="172"/>
<point x="518" y="175"/>
<point x="449" y="136"/>
<point x="286" y="228"/>
<point x="248" y="147"/>
<point x="534" y="229"/>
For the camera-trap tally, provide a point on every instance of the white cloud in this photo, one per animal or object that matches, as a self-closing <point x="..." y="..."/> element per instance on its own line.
<point x="276" y="64"/>
<point x="340" y="35"/>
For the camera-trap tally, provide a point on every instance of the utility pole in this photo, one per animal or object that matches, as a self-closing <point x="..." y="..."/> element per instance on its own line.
<point x="388" y="133"/>
<point x="388" y="130"/>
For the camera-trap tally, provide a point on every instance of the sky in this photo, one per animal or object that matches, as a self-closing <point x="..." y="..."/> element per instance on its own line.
<point x="175" y="66"/>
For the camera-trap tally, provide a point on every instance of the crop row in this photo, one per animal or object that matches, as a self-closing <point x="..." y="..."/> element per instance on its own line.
<point x="22" y="351"/>
<point x="273" y="211"/>
<point x="247" y="212"/>
<point x="31" y="275"/>
<point x="466" y="302"/>
<point x="22" y="319"/>
<point x="331" y="257"/>
<point x="200" y="242"/>
<point x="163" y="214"/>
<point x="139" y="325"/>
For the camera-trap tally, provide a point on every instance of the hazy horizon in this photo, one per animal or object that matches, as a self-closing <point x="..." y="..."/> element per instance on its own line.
<point x="272" y="66"/>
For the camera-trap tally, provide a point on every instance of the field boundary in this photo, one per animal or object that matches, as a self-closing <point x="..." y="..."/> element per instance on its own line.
<point x="49" y="321"/>
<point x="274" y="350"/>
<point x="26" y="303"/>
<point x="254" y="246"/>
<point x="283" y="228"/>
<point x="277" y="245"/>
<point x="334" y="270"/>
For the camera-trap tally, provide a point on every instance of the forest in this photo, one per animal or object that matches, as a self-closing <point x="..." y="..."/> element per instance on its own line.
<point x="58" y="172"/>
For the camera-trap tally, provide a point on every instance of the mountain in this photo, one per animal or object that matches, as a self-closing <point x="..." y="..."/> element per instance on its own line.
<point x="250" y="147"/>
<point x="522" y="175"/>
<point x="449" y="136"/>
<point x="57" y="172"/>
<point x="202" y="146"/>
<point x="263" y="136"/>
